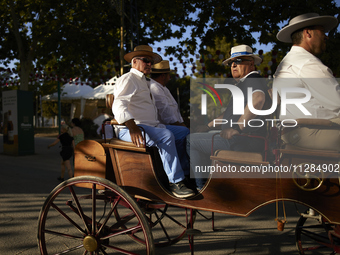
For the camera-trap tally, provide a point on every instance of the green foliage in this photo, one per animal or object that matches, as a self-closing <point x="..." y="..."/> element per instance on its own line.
<point x="234" y="21"/>
<point x="81" y="38"/>
<point x="50" y="109"/>
<point x="81" y="35"/>
<point x="180" y="90"/>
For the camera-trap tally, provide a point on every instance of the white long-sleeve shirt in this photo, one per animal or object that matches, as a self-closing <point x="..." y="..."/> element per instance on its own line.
<point x="301" y="69"/>
<point x="167" y="106"/>
<point x="133" y="100"/>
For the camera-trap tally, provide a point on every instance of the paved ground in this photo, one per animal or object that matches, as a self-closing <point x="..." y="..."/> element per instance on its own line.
<point x="26" y="181"/>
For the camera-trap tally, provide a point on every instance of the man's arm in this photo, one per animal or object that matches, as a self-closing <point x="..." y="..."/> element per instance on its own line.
<point x="258" y="102"/>
<point x="135" y="133"/>
<point x="123" y="92"/>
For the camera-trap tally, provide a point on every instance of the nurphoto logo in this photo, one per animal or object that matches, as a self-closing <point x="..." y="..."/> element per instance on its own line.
<point x="238" y="102"/>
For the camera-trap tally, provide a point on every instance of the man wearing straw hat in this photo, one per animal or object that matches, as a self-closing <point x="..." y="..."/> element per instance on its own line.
<point x="168" y="111"/>
<point x="301" y="68"/>
<point x="242" y="63"/>
<point x="134" y="106"/>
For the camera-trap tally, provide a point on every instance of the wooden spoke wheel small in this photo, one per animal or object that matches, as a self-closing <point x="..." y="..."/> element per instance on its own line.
<point x="76" y="220"/>
<point x="311" y="235"/>
<point x="168" y="223"/>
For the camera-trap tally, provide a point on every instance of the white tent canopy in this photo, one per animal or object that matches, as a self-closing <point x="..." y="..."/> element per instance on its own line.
<point x="75" y="91"/>
<point x="70" y="91"/>
<point x="102" y="90"/>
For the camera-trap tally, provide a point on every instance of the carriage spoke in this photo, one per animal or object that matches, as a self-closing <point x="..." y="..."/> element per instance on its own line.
<point x="125" y="231"/>
<point x="62" y="234"/>
<point x="123" y="251"/>
<point x="80" y="210"/>
<point x="108" y="216"/>
<point x="103" y="251"/>
<point x="94" y="209"/>
<point x="175" y="221"/>
<point x="122" y="221"/>
<point x="163" y="228"/>
<point x="71" y="249"/>
<point x="67" y="217"/>
<point x="314" y="236"/>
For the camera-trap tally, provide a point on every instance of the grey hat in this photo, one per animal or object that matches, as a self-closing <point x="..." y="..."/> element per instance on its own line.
<point x="306" y="20"/>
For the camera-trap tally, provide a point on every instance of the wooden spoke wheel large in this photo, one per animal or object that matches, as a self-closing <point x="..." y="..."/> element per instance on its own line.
<point x="311" y="235"/>
<point x="168" y="223"/>
<point x="76" y="220"/>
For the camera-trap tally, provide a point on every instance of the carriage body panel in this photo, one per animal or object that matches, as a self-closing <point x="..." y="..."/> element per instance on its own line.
<point x="140" y="173"/>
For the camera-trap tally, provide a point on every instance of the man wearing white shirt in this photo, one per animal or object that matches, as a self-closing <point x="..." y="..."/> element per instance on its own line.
<point x="301" y="68"/>
<point x="168" y="112"/>
<point x="134" y="107"/>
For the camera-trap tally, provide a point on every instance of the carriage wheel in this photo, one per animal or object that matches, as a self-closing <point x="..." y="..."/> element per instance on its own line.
<point x="168" y="223"/>
<point x="75" y="220"/>
<point x="311" y="234"/>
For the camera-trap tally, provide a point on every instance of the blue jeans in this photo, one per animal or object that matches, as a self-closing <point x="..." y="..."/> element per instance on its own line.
<point x="181" y="133"/>
<point x="164" y="140"/>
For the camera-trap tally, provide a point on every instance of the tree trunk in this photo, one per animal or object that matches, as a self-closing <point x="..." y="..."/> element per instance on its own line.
<point x="25" y="74"/>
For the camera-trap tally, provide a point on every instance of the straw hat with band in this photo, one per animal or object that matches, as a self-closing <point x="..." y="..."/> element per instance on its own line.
<point x="242" y="51"/>
<point x="143" y="50"/>
<point x="161" y="67"/>
<point x="306" y="20"/>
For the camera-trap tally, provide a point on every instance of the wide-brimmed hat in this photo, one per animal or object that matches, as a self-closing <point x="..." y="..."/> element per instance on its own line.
<point x="161" y="67"/>
<point x="143" y="50"/>
<point x="242" y="51"/>
<point x="305" y="20"/>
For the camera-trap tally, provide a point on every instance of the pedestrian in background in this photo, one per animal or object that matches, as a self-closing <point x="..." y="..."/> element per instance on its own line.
<point x="67" y="147"/>
<point x="77" y="131"/>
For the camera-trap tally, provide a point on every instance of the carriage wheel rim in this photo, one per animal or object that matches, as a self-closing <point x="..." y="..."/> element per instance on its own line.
<point x="89" y="241"/>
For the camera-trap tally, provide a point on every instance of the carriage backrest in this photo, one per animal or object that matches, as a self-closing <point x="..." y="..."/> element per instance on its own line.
<point x="109" y="100"/>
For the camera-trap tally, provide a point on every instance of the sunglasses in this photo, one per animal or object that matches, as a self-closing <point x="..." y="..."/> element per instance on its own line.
<point x="146" y="60"/>
<point x="237" y="61"/>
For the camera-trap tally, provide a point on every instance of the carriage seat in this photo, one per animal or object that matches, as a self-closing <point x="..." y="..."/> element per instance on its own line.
<point x="123" y="145"/>
<point x="238" y="156"/>
<point x="314" y="124"/>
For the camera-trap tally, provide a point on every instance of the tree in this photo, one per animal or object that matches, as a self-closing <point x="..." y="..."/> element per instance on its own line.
<point x="238" y="20"/>
<point x="81" y="38"/>
<point x="77" y="36"/>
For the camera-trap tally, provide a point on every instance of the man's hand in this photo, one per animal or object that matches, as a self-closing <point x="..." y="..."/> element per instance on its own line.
<point x="202" y="128"/>
<point x="228" y="133"/>
<point x="135" y="133"/>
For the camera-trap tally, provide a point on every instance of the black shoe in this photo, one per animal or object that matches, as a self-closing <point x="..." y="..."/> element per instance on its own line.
<point x="180" y="190"/>
<point x="60" y="179"/>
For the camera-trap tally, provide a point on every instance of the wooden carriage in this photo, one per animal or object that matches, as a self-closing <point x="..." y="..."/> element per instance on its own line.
<point x="120" y="192"/>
